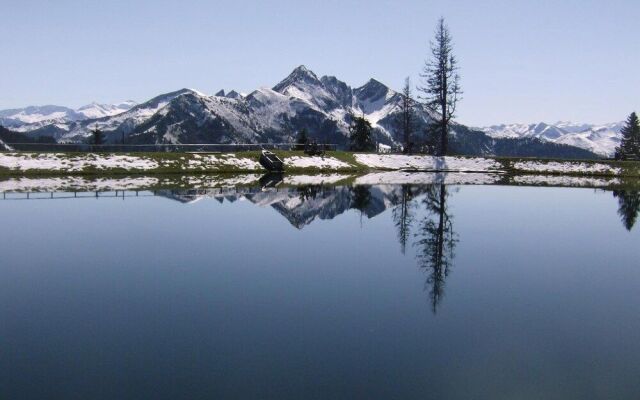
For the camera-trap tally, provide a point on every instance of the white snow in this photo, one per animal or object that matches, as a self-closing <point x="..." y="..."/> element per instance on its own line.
<point x="96" y="110"/>
<point x="315" y="161"/>
<point x="600" y="139"/>
<point x="427" y="163"/>
<point x="566" y="167"/>
<point x="58" y="162"/>
<point x="4" y="146"/>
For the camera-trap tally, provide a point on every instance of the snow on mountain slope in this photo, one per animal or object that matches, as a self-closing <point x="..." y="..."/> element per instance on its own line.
<point x="600" y="139"/>
<point x="122" y="123"/>
<point x="322" y="106"/>
<point x="35" y="117"/>
<point x="95" y="110"/>
<point x="305" y="85"/>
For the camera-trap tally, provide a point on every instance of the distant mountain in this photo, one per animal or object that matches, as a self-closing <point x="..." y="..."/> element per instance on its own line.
<point x="600" y="139"/>
<point x="34" y="117"/>
<point x="95" y="110"/>
<point x="324" y="106"/>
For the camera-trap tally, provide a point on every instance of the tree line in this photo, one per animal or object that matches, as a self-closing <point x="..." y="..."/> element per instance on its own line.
<point x="440" y="93"/>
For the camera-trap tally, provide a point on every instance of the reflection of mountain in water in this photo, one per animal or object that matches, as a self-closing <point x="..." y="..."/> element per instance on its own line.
<point x="302" y="205"/>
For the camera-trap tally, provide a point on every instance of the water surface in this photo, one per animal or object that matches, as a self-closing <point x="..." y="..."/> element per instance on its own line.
<point x="404" y="292"/>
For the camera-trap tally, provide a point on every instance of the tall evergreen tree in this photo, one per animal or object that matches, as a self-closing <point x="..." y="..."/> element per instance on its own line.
<point x="360" y="134"/>
<point x="441" y="84"/>
<point x="302" y="139"/>
<point x="406" y="116"/>
<point x="630" y="142"/>
<point x="97" y="136"/>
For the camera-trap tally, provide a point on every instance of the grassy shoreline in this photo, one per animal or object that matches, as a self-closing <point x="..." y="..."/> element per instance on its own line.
<point x="136" y="164"/>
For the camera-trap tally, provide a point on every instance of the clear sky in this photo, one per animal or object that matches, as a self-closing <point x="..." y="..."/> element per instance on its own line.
<point x="521" y="61"/>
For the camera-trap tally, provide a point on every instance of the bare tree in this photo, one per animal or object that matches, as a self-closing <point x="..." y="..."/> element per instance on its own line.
<point x="403" y="217"/>
<point x="441" y="88"/>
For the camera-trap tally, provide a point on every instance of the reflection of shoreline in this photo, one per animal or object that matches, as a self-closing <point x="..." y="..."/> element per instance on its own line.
<point x="90" y="183"/>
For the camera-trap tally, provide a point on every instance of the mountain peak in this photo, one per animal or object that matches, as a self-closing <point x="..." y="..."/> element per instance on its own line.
<point x="372" y="90"/>
<point x="302" y="69"/>
<point x="300" y="75"/>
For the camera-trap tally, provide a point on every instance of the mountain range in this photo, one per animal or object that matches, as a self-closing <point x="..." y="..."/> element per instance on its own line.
<point x="600" y="139"/>
<point x="324" y="106"/>
<point x="34" y="117"/>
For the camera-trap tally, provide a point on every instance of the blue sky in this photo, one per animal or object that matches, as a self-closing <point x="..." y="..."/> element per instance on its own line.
<point x="521" y="61"/>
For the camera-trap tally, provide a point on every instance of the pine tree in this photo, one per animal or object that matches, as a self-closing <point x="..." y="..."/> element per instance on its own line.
<point x="406" y="116"/>
<point x="441" y="89"/>
<point x="97" y="136"/>
<point x="302" y="139"/>
<point x="360" y="135"/>
<point x="630" y="142"/>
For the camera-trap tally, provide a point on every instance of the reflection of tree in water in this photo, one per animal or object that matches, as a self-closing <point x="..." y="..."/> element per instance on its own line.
<point x="308" y="192"/>
<point x="435" y="242"/>
<point x="361" y="197"/>
<point x="628" y="206"/>
<point x="402" y="214"/>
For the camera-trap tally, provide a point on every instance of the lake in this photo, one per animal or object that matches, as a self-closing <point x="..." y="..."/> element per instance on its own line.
<point x="315" y="292"/>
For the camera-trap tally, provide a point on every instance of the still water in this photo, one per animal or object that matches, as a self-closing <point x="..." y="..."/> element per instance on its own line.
<point x="425" y="292"/>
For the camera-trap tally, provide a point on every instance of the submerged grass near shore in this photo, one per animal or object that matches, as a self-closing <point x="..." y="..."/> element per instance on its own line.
<point x="119" y="164"/>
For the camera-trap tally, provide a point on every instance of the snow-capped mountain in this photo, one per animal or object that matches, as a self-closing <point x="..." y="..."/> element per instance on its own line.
<point x="34" y="117"/>
<point x="302" y="100"/>
<point x="324" y="106"/>
<point x="600" y="139"/>
<point x="96" y="110"/>
<point x="37" y="116"/>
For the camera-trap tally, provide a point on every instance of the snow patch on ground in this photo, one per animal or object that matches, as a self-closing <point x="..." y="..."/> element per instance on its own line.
<point x="315" y="162"/>
<point x="399" y="162"/>
<point x="59" y="162"/>
<point x="211" y="161"/>
<point x="566" y="167"/>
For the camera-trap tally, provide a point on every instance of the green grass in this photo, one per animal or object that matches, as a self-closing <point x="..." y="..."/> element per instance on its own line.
<point x="175" y="163"/>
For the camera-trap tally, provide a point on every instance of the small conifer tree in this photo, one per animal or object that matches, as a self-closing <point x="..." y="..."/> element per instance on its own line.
<point x="360" y="135"/>
<point x="630" y="142"/>
<point x="302" y="139"/>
